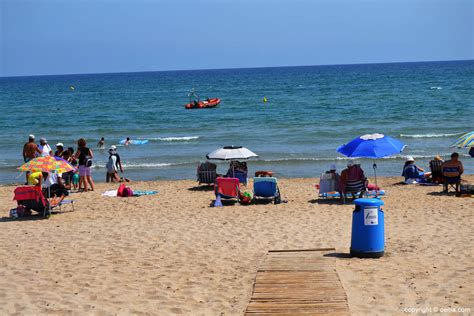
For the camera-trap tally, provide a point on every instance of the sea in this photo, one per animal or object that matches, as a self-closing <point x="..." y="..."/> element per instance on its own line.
<point x="309" y="111"/>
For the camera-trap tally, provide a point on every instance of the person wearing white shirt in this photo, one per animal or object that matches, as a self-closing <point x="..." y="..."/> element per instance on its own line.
<point x="45" y="148"/>
<point x="53" y="185"/>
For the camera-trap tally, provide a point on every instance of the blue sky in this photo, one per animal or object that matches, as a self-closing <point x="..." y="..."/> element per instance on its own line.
<point x="74" y="36"/>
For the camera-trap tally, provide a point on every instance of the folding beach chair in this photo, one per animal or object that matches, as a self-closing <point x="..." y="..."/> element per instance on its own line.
<point x="206" y="173"/>
<point x="355" y="188"/>
<point x="436" y="171"/>
<point x="227" y="188"/>
<point x="32" y="198"/>
<point x="451" y="181"/>
<point x="241" y="175"/>
<point x="328" y="182"/>
<point x="266" y="188"/>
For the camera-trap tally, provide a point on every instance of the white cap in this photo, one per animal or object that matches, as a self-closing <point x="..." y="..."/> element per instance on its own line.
<point x="59" y="144"/>
<point x="350" y="163"/>
<point x="31" y="136"/>
<point x="42" y="139"/>
<point x="113" y="147"/>
<point x="410" y="158"/>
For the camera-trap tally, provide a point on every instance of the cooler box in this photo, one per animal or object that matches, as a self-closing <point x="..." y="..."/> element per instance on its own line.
<point x="367" y="239"/>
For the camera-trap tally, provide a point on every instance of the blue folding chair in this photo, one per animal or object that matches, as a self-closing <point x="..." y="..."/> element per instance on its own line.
<point x="266" y="188"/>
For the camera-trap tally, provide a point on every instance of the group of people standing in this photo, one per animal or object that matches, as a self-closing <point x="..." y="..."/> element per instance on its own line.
<point x="81" y="177"/>
<point x="81" y="160"/>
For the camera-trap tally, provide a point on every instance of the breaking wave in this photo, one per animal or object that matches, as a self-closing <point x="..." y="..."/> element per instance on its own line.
<point x="175" y="139"/>
<point x="429" y="135"/>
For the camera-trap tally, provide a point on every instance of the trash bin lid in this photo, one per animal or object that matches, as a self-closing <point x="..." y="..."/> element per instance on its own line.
<point x="368" y="202"/>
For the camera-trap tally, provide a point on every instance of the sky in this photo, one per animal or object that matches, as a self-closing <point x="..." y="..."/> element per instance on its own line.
<point x="42" y="37"/>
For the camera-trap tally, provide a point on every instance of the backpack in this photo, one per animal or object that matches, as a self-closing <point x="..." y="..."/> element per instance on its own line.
<point x="127" y="192"/>
<point x="124" y="191"/>
<point x="88" y="162"/>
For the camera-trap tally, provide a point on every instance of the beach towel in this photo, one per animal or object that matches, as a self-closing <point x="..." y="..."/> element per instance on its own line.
<point x="142" y="192"/>
<point x="348" y="195"/>
<point x="111" y="193"/>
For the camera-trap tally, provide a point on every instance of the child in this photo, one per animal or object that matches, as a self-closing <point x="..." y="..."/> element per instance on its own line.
<point x="75" y="179"/>
<point x="75" y="173"/>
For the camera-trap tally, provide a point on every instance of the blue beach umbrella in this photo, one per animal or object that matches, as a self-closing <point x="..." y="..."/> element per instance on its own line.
<point x="372" y="146"/>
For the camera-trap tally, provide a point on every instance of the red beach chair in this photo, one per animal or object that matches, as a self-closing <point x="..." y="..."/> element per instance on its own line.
<point x="227" y="188"/>
<point x="32" y="198"/>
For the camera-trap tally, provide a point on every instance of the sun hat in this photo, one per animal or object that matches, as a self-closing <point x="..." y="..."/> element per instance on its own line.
<point x="31" y="136"/>
<point x="59" y="145"/>
<point x="332" y="166"/>
<point x="410" y="158"/>
<point x="43" y="140"/>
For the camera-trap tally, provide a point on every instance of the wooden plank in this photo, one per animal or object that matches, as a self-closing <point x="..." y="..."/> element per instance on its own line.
<point x="292" y="282"/>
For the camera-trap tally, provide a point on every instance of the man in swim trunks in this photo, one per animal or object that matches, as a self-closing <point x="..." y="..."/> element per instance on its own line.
<point x="30" y="151"/>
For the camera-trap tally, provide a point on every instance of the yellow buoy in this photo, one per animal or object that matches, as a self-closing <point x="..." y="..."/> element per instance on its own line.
<point x="265" y="100"/>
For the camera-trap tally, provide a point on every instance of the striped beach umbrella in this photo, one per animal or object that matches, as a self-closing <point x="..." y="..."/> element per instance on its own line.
<point x="46" y="164"/>
<point x="464" y="141"/>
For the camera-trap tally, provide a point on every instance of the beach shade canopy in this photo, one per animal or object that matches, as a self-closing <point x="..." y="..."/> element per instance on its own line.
<point x="372" y="146"/>
<point x="231" y="153"/>
<point x="46" y="164"/>
<point x="464" y="141"/>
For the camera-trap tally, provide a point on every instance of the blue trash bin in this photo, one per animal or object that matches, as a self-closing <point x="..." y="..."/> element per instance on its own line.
<point x="367" y="239"/>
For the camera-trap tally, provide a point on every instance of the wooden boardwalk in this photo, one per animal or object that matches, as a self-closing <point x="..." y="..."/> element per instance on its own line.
<point x="298" y="282"/>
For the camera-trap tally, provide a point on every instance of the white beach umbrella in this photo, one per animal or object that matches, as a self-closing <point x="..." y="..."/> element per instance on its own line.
<point x="231" y="153"/>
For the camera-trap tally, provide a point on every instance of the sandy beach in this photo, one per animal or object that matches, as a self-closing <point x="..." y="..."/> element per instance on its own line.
<point x="172" y="253"/>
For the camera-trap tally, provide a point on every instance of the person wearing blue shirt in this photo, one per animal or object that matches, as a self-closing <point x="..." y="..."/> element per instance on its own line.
<point x="413" y="172"/>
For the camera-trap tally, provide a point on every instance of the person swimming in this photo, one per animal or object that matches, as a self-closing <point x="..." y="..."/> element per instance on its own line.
<point x="127" y="141"/>
<point x="101" y="143"/>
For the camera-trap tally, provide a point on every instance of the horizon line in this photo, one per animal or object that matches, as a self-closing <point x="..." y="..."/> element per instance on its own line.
<point x="234" y="68"/>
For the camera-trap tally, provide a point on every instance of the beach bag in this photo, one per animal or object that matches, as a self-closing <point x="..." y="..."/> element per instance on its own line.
<point x="120" y="189"/>
<point x="245" y="198"/>
<point x="127" y="192"/>
<point x="19" y="211"/>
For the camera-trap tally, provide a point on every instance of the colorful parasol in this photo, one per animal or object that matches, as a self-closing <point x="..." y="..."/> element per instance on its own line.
<point x="464" y="141"/>
<point x="46" y="164"/>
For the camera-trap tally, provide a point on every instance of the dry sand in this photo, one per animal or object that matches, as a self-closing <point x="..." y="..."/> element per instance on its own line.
<point x="172" y="253"/>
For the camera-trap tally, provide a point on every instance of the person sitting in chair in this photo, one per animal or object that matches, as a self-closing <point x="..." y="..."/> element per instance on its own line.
<point x="452" y="171"/>
<point x="437" y="170"/>
<point x="53" y="186"/>
<point x="329" y="180"/>
<point x="353" y="180"/>
<point x="413" y="173"/>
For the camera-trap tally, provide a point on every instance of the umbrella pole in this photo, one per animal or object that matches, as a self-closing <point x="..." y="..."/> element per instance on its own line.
<point x="49" y="200"/>
<point x="375" y="174"/>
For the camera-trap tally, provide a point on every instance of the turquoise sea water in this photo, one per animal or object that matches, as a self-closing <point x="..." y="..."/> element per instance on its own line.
<point x="310" y="111"/>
